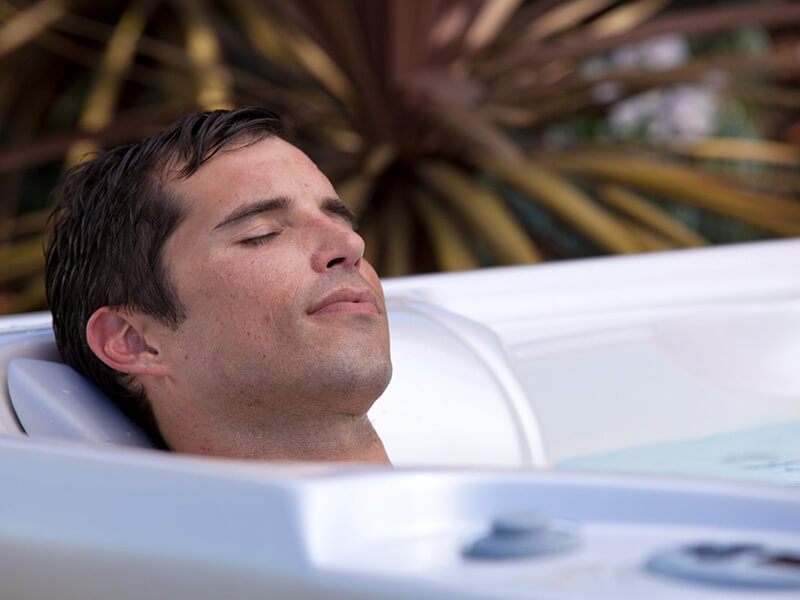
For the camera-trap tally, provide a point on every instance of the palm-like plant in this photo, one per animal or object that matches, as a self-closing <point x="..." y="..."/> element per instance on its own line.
<point x="428" y="115"/>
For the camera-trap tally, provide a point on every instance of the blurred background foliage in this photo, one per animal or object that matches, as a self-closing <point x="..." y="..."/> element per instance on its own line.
<point x="465" y="133"/>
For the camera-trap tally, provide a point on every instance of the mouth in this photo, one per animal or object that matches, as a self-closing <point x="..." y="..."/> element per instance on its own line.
<point x="347" y="301"/>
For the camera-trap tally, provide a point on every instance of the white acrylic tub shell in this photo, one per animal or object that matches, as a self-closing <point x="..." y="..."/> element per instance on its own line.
<point x="506" y="368"/>
<point x="83" y="523"/>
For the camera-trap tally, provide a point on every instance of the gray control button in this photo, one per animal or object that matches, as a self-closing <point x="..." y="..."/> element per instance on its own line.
<point x="745" y="565"/>
<point x="521" y="535"/>
<point x="519" y="522"/>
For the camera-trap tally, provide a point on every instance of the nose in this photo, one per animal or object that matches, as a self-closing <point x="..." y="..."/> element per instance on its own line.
<point x="337" y="246"/>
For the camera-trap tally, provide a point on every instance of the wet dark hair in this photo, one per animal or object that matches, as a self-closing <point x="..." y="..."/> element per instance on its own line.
<point x="113" y="215"/>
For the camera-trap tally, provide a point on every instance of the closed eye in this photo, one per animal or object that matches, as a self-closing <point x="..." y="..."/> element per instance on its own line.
<point x="259" y="240"/>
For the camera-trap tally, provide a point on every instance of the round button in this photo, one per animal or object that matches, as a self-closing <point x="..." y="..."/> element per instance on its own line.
<point x="519" y="523"/>
<point x="741" y="565"/>
<point x="522" y="535"/>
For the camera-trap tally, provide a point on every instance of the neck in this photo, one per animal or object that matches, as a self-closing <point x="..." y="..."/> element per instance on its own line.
<point x="332" y="438"/>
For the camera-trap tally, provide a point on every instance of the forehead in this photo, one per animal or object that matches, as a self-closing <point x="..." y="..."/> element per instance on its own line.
<point x="246" y="173"/>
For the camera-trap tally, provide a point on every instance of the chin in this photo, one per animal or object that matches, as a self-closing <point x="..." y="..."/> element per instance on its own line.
<point x="357" y="385"/>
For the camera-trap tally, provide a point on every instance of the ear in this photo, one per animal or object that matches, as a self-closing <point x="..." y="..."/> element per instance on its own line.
<point x="117" y="338"/>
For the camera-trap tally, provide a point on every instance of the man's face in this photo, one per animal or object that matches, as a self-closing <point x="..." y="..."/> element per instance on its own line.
<point x="282" y="310"/>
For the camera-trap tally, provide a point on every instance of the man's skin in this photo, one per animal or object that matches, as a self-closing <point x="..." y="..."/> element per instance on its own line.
<point x="285" y="346"/>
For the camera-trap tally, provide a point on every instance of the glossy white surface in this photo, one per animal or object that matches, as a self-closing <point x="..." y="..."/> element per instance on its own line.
<point x="618" y="352"/>
<point x="454" y="399"/>
<point x="610" y="334"/>
<point x="80" y="522"/>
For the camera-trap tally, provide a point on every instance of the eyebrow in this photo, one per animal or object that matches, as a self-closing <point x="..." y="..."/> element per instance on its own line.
<point x="246" y="211"/>
<point x="331" y="206"/>
<point x="337" y="208"/>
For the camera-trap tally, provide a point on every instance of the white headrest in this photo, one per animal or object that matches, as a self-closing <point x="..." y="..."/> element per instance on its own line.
<point x="53" y="400"/>
<point x="454" y="398"/>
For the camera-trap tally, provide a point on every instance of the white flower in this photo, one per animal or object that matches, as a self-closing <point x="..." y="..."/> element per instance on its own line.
<point x="689" y="112"/>
<point x="664" y="52"/>
<point x="671" y="115"/>
<point x="655" y="54"/>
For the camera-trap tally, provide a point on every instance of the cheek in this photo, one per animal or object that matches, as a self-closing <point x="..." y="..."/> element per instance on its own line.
<point x="245" y="293"/>
<point x="215" y="283"/>
<point x="371" y="277"/>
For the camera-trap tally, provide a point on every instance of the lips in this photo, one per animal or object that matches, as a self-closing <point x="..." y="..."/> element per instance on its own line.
<point x="347" y="301"/>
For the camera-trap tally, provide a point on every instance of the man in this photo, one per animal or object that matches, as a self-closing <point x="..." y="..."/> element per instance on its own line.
<point x="211" y="282"/>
